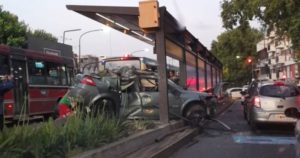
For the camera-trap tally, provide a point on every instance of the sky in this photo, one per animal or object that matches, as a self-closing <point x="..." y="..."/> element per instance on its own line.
<point x="200" y="17"/>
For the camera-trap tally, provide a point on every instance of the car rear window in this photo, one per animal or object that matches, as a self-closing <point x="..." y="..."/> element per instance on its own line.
<point x="279" y="91"/>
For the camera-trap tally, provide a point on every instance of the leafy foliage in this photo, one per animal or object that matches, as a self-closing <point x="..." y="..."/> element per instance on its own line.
<point x="12" y="32"/>
<point x="43" y="35"/>
<point x="232" y="43"/>
<point x="51" y="140"/>
<point x="283" y="16"/>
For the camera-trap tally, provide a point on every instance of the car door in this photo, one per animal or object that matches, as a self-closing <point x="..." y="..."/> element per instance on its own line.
<point x="175" y="101"/>
<point x="20" y="89"/>
<point x="131" y="100"/>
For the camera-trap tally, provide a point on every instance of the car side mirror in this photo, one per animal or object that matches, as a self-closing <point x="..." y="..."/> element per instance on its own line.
<point x="292" y="112"/>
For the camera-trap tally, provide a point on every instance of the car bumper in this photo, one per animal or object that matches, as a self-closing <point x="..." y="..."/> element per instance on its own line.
<point x="261" y="116"/>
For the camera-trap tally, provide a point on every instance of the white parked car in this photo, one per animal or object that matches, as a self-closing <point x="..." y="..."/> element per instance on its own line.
<point x="235" y="92"/>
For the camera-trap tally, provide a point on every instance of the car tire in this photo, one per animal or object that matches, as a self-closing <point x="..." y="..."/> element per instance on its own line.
<point x="103" y="107"/>
<point x="196" y="114"/>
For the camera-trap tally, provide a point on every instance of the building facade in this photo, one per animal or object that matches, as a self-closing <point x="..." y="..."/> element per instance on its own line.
<point x="275" y="59"/>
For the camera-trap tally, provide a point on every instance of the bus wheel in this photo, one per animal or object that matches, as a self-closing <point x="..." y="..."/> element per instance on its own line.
<point x="103" y="107"/>
<point x="196" y="114"/>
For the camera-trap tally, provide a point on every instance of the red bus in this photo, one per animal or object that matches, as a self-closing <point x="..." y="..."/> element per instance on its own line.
<point x="41" y="79"/>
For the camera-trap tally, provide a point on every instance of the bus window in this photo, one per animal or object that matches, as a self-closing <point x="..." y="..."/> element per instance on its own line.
<point x="36" y="72"/>
<point x="63" y="75"/>
<point x="4" y="68"/>
<point x="52" y="74"/>
<point x="70" y="75"/>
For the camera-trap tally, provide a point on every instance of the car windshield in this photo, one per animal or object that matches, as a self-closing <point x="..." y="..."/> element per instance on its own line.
<point x="115" y="65"/>
<point x="279" y="91"/>
<point x="171" y="83"/>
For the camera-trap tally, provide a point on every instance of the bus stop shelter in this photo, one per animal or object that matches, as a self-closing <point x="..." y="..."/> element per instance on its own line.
<point x="169" y="38"/>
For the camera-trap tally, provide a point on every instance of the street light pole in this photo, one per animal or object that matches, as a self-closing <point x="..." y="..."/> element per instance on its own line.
<point x="237" y="57"/>
<point x="79" y="46"/>
<point x="68" y="31"/>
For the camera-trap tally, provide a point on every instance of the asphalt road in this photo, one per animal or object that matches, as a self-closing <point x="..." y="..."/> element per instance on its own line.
<point x="216" y="142"/>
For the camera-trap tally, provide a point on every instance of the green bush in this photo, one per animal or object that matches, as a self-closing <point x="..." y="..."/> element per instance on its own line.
<point x="51" y="140"/>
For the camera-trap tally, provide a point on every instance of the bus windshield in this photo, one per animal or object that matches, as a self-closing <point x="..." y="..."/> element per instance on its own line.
<point x="117" y="64"/>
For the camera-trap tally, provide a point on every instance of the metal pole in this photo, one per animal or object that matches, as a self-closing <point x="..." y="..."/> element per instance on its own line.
<point x="68" y="31"/>
<point x="252" y="70"/>
<point x="79" y="46"/>
<point x="160" y="49"/>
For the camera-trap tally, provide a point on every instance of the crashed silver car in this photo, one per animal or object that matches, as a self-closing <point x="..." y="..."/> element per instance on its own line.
<point x="131" y="93"/>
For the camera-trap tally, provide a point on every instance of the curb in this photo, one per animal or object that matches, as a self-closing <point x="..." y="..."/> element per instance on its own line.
<point x="170" y="148"/>
<point x="128" y="146"/>
<point x="167" y="146"/>
<point x="132" y="143"/>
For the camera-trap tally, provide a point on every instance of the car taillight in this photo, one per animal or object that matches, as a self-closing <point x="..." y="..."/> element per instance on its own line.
<point x="88" y="80"/>
<point x="257" y="102"/>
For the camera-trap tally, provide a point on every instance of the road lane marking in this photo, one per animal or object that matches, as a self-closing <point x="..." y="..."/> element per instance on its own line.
<point x="244" y="139"/>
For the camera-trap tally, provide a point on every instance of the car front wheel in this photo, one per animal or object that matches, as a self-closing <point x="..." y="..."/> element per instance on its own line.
<point x="196" y="114"/>
<point x="103" y="107"/>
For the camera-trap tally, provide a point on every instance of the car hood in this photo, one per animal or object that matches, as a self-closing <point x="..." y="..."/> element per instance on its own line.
<point x="201" y="95"/>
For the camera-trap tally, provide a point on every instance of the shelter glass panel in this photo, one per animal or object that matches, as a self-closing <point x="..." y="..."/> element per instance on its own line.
<point x="191" y="72"/>
<point x="208" y="76"/>
<point x="214" y="78"/>
<point x="173" y="50"/>
<point x="201" y="74"/>
<point x="218" y="75"/>
<point x="173" y="69"/>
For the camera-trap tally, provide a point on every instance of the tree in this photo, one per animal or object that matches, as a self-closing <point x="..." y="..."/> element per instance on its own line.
<point x="234" y="48"/>
<point x="282" y="16"/>
<point x="12" y="32"/>
<point x="43" y="35"/>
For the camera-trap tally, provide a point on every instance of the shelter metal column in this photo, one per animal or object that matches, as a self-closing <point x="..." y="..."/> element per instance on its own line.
<point x="160" y="48"/>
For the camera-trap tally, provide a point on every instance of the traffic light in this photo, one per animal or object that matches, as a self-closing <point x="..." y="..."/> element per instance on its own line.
<point x="249" y="60"/>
